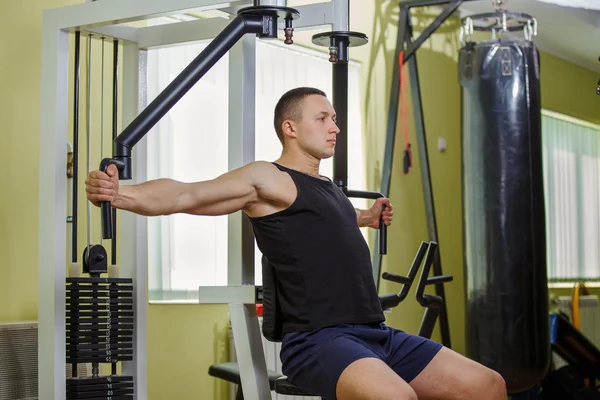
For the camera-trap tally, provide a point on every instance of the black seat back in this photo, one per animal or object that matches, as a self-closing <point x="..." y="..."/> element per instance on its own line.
<point x="272" y="326"/>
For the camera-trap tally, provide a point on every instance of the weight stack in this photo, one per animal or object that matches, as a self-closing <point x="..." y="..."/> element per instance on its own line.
<point x="507" y="323"/>
<point x="100" y="324"/>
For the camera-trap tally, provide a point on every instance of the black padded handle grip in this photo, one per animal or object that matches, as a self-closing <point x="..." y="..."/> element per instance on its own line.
<point x="405" y="280"/>
<point x="382" y="227"/>
<point x="105" y="206"/>
<point x="106" y="216"/>
<point x="382" y="234"/>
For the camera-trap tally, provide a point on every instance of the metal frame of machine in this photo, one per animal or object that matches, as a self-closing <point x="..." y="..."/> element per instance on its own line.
<point x="107" y="18"/>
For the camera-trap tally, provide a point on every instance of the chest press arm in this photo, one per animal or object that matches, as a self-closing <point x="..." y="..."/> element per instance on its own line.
<point x="259" y="20"/>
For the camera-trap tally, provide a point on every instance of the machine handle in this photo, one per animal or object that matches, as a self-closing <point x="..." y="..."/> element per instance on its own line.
<point x="396" y="278"/>
<point x="382" y="227"/>
<point x="439" y="279"/>
<point x="382" y="234"/>
<point x="105" y="206"/>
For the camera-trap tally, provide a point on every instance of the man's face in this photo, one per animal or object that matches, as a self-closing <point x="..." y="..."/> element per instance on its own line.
<point x="316" y="132"/>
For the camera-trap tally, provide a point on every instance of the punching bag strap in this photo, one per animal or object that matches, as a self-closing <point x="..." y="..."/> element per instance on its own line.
<point x="575" y="304"/>
<point x="407" y="159"/>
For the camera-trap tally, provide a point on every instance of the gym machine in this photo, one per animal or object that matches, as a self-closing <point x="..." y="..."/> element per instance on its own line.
<point x="108" y="19"/>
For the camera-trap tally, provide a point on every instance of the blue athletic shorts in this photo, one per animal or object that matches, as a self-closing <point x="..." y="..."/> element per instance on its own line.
<point x="315" y="360"/>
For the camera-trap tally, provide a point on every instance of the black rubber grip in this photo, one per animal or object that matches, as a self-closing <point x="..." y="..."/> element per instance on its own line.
<point x="405" y="280"/>
<point x="434" y="280"/>
<point x="105" y="206"/>
<point x="106" y="220"/>
<point x="382" y="234"/>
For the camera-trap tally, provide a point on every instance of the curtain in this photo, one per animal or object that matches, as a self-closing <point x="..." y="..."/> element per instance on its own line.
<point x="571" y="157"/>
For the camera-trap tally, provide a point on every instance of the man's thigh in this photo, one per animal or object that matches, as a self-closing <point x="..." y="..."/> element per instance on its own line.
<point x="315" y="361"/>
<point x="451" y="376"/>
<point x="409" y="354"/>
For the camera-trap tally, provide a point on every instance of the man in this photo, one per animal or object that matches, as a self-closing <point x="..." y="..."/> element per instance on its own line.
<point x="335" y="342"/>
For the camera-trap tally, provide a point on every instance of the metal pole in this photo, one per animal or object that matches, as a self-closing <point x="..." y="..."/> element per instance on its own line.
<point x="115" y="109"/>
<point x="76" y="68"/>
<point x="427" y="186"/>
<point x="340" y="94"/>
<point x="341" y="15"/>
<point x="390" y="140"/>
<point x="340" y="104"/>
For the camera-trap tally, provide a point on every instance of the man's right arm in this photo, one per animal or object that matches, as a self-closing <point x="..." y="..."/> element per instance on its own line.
<point x="230" y="192"/>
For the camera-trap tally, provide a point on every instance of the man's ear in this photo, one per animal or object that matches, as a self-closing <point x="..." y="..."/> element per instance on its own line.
<point x="289" y="128"/>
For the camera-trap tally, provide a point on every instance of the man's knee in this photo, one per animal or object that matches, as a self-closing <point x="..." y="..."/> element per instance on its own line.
<point x="488" y="384"/>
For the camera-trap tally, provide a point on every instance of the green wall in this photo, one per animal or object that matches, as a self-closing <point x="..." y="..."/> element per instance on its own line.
<point x="183" y="340"/>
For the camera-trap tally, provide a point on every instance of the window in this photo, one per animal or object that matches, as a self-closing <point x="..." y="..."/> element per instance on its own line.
<point x="190" y="144"/>
<point x="571" y="157"/>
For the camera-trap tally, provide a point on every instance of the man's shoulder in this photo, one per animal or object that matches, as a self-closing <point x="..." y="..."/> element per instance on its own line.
<point x="261" y="172"/>
<point x="275" y="188"/>
<point x="261" y="168"/>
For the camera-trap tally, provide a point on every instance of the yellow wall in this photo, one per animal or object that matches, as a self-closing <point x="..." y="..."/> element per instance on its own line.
<point x="198" y="333"/>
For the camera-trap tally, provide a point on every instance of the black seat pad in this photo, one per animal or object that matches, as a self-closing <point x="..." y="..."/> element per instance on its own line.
<point x="230" y="371"/>
<point x="283" y="386"/>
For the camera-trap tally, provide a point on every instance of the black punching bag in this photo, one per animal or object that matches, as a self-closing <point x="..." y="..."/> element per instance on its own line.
<point x="503" y="206"/>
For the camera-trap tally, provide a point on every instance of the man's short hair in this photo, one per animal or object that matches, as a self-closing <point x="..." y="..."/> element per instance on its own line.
<point x="288" y="106"/>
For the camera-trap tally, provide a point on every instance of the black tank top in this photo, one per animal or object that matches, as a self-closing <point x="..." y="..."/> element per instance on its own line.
<point x="321" y="259"/>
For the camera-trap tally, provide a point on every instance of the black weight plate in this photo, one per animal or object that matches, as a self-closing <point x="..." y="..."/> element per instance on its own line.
<point x="102" y="313"/>
<point x="101" y="304"/>
<point x="85" y="279"/>
<point x="100" y="290"/>
<point x="101" y="281"/>
<point x="100" y="310"/>
<point x="104" y="335"/>
<point x="84" y="322"/>
<point x="99" y="313"/>
<point x="84" y="304"/>
<point x="100" y="386"/>
<point x="107" y="329"/>
<point x="101" y="356"/>
<point x="98" y="352"/>
<point x="96" y="339"/>
<point x="98" y="326"/>
<point x="116" y="297"/>
<point x="78" y="292"/>
<point x="99" y="285"/>
<point x="99" y="346"/>
<point x="101" y="393"/>
<point x="111" y="359"/>
<point x="101" y="298"/>
<point x="99" y="379"/>
<point x="123" y="397"/>
<point x="92" y="301"/>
